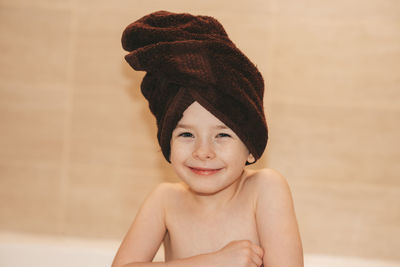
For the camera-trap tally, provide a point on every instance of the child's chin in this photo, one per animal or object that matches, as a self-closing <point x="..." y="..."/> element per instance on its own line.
<point x="205" y="189"/>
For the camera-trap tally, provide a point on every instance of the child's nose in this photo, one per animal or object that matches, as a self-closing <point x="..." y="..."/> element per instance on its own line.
<point x="204" y="151"/>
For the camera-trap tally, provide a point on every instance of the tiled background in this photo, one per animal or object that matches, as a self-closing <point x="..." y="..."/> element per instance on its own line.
<point x="78" y="151"/>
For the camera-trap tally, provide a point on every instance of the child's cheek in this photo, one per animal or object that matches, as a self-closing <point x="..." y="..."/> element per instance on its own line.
<point x="181" y="148"/>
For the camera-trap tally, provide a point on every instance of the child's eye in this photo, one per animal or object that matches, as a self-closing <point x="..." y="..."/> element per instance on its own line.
<point x="185" y="134"/>
<point x="223" y="135"/>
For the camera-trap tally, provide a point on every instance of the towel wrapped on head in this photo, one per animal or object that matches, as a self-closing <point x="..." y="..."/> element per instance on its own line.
<point x="191" y="58"/>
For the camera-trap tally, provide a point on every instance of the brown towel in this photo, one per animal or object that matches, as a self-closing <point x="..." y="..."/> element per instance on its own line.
<point x="190" y="58"/>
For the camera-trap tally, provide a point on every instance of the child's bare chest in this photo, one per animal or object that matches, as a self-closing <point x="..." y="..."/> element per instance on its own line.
<point x="191" y="233"/>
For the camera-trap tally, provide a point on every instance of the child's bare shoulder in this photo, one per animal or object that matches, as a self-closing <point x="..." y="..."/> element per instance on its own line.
<point x="169" y="192"/>
<point x="266" y="181"/>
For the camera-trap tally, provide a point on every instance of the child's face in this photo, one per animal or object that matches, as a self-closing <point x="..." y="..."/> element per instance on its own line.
<point x="206" y="154"/>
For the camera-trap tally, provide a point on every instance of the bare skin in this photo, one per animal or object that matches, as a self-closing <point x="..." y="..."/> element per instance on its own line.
<point x="221" y="214"/>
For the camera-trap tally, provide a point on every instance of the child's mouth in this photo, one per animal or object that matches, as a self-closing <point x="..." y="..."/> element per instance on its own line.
<point x="204" y="171"/>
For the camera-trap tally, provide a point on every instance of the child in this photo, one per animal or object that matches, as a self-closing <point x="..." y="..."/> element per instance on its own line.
<point x="207" y="98"/>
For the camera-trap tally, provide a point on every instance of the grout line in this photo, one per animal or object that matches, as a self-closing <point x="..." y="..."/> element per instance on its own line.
<point x="342" y="105"/>
<point x="66" y="149"/>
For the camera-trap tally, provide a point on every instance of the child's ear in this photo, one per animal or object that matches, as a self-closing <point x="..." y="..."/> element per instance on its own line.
<point x="251" y="159"/>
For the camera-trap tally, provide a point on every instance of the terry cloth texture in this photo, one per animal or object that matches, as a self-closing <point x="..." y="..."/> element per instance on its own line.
<point x="191" y="58"/>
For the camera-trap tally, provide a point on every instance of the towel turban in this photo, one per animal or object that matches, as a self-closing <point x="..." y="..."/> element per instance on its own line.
<point x="191" y="58"/>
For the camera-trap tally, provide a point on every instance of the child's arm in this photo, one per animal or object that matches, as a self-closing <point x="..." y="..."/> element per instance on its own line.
<point x="240" y="253"/>
<point x="146" y="233"/>
<point x="276" y="222"/>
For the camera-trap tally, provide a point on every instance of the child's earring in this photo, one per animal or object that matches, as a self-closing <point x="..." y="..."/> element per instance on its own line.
<point x="251" y="159"/>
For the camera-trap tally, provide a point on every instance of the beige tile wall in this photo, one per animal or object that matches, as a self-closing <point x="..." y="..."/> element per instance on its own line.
<point x="78" y="152"/>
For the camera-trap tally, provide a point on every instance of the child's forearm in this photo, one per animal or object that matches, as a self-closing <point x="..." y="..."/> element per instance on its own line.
<point x="195" y="261"/>
<point x="144" y="264"/>
<point x="236" y="253"/>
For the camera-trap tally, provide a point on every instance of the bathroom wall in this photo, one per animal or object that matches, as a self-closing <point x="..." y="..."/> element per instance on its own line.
<point x="78" y="151"/>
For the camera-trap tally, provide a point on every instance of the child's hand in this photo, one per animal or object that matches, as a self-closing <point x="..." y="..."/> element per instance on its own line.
<point x="240" y="253"/>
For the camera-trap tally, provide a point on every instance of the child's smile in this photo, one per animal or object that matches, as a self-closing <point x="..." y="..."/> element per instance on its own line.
<point x="204" y="171"/>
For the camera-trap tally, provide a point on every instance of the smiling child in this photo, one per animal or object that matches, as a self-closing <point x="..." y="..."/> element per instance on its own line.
<point x="207" y="98"/>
